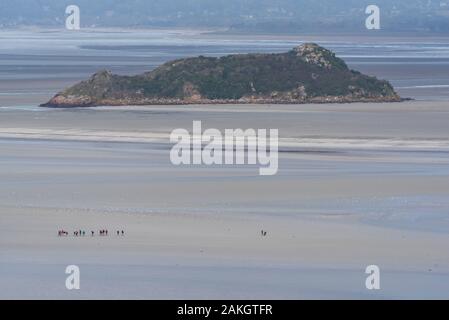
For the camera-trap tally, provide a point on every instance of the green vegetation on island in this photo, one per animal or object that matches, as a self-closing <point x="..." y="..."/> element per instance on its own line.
<point x="306" y="74"/>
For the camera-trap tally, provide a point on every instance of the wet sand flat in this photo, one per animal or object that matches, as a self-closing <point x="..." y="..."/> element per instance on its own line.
<point x="358" y="184"/>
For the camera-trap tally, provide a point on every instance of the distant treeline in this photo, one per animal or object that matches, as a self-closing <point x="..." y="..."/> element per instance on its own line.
<point x="249" y="15"/>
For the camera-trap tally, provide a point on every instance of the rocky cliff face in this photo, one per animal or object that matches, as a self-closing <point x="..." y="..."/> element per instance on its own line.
<point x="306" y="74"/>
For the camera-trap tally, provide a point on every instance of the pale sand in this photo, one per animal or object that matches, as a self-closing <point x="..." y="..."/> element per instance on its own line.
<point x="370" y="187"/>
<point x="203" y="256"/>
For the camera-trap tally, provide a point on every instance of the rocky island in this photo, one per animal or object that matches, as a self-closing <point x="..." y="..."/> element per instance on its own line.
<point x="306" y="74"/>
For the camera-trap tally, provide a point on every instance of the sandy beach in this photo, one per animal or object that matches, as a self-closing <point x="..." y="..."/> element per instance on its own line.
<point x="358" y="184"/>
<point x="185" y="256"/>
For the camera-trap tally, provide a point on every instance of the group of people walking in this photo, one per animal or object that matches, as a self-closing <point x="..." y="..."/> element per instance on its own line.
<point x="82" y="233"/>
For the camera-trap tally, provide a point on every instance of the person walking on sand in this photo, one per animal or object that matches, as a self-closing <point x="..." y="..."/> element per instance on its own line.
<point x="123" y="233"/>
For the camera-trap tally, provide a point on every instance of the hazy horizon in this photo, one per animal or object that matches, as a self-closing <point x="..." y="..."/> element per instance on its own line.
<point x="284" y="16"/>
